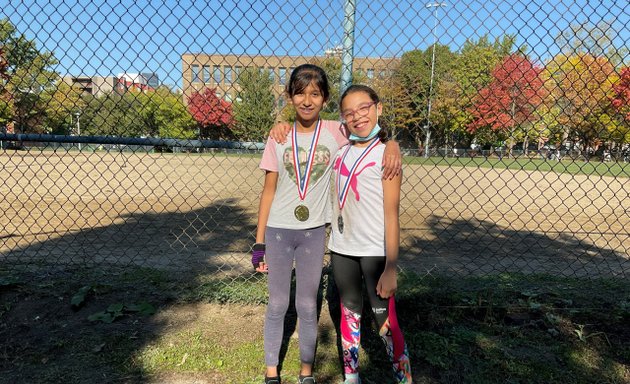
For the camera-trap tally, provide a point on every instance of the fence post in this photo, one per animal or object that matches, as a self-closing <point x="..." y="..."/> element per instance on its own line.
<point x="349" y="10"/>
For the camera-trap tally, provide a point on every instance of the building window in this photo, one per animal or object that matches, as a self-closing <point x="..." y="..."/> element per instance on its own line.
<point x="227" y="72"/>
<point x="370" y="73"/>
<point x="272" y="75"/>
<point x="381" y="74"/>
<point x="282" y="75"/>
<point x="237" y="72"/>
<point x="206" y="74"/>
<point x="281" y="102"/>
<point x="216" y="74"/>
<point x="195" y="73"/>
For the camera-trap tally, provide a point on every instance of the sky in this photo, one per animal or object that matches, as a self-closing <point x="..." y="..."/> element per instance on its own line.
<point x="110" y="37"/>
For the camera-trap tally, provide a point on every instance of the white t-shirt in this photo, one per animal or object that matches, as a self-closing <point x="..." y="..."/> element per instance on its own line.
<point x="279" y="158"/>
<point x="363" y="212"/>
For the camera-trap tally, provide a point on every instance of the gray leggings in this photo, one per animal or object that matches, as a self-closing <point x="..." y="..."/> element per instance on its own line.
<point x="306" y="248"/>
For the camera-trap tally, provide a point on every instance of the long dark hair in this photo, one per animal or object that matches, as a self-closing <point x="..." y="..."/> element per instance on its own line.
<point x="306" y="74"/>
<point x="354" y="88"/>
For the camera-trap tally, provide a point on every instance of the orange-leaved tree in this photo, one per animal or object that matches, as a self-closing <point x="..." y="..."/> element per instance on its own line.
<point x="579" y="87"/>
<point x="507" y="105"/>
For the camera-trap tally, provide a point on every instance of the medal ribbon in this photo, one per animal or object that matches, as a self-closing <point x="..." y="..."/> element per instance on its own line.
<point x="342" y="194"/>
<point x="302" y="180"/>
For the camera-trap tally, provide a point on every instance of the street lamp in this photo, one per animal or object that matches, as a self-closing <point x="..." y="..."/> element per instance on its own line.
<point x="427" y="128"/>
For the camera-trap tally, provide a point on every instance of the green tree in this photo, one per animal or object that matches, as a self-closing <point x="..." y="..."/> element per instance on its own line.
<point x="26" y="75"/>
<point x="163" y="114"/>
<point x="113" y="114"/>
<point x="62" y="101"/>
<point x="254" y="108"/>
<point x="414" y="76"/>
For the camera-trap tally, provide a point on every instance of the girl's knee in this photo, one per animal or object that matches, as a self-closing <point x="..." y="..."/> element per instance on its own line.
<point x="306" y="310"/>
<point x="277" y="308"/>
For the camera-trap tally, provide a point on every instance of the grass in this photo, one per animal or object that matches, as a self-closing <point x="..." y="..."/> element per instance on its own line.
<point x="507" y="328"/>
<point x="572" y="167"/>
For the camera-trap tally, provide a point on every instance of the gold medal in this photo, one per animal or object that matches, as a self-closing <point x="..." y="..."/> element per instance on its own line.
<point x="301" y="212"/>
<point x="340" y="224"/>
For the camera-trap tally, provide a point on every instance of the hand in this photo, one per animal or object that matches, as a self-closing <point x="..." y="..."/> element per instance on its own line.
<point x="392" y="160"/>
<point x="387" y="283"/>
<point x="258" y="257"/>
<point x="280" y="131"/>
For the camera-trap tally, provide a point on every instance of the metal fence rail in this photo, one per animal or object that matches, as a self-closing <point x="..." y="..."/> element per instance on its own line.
<point x="131" y="135"/>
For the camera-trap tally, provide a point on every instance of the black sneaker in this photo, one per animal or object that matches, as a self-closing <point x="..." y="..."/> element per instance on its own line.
<point x="306" y="380"/>
<point x="272" y="380"/>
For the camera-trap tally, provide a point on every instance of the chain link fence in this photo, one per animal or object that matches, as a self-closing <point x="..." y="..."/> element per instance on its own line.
<point x="132" y="131"/>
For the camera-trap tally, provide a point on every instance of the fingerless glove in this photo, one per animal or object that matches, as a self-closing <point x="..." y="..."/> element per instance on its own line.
<point x="258" y="254"/>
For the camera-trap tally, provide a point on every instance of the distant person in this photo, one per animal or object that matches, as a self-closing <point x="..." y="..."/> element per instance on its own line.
<point x="365" y="234"/>
<point x="293" y="211"/>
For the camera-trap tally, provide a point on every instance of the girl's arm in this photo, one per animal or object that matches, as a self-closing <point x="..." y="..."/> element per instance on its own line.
<point x="280" y="131"/>
<point x="387" y="283"/>
<point x="266" y="198"/>
<point x="392" y="160"/>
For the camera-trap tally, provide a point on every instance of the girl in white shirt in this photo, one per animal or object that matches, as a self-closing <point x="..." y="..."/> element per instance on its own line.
<point x="365" y="232"/>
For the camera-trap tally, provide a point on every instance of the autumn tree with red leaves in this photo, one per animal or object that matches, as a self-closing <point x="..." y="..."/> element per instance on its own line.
<point x="214" y="116"/>
<point x="621" y="99"/>
<point x="508" y="103"/>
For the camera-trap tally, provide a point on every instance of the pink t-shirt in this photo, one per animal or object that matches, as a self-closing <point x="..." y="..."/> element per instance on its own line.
<point x="279" y="158"/>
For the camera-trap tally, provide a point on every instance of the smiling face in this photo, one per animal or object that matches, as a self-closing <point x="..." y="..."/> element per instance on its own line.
<point x="360" y="113"/>
<point x="308" y="103"/>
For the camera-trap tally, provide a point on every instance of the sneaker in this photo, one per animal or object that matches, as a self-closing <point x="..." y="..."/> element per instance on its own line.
<point x="306" y="380"/>
<point x="272" y="380"/>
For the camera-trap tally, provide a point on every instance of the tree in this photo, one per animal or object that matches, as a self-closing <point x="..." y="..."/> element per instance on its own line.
<point x="579" y="88"/>
<point x="61" y="103"/>
<point x="397" y="112"/>
<point x="621" y="106"/>
<point x="621" y="97"/>
<point x="25" y="76"/>
<point x="164" y="114"/>
<point x="508" y="103"/>
<point x="112" y="114"/>
<point x="213" y="115"/>
<point x="414" y="76"/>
<point x="255" y="105"/>
<point x="594" y="39"/>
<point x="471" y="71"/>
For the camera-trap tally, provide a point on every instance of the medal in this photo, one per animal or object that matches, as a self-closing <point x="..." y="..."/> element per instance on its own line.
<point x="301" y="212"/>
<point x="342" y="192"/>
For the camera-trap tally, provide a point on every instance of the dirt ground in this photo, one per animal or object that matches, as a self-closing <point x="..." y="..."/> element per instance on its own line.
<point x="191" y="211"/>
<point x="195" y="215"/>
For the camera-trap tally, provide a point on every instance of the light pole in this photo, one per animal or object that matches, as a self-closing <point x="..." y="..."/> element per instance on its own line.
<point x="78" y="114"/>
<point x="427" y="128"/>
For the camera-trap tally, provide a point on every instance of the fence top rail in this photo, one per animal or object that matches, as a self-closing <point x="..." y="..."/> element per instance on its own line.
<point x="186" y="143"/>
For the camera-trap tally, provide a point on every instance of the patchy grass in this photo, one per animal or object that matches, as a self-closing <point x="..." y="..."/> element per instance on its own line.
<point x="574" y="167"/>
<point x="497" y="329"/>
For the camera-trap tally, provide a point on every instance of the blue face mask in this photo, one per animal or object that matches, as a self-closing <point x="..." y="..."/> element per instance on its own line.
<point x="372" y="134"/>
